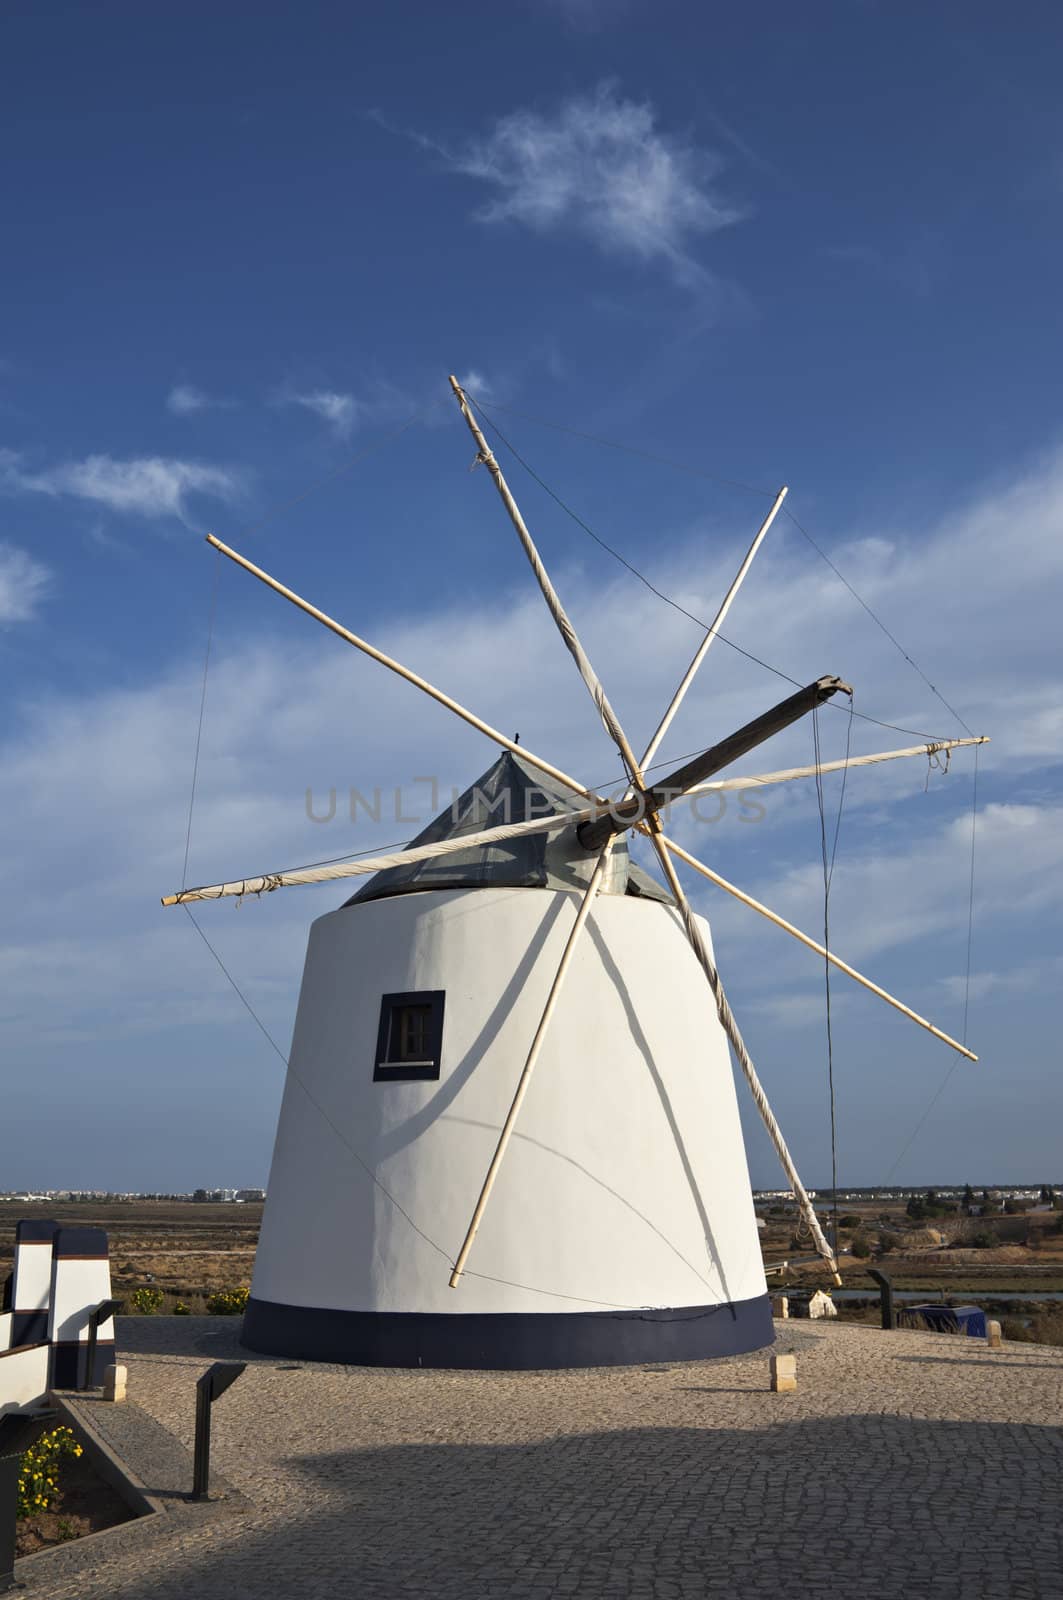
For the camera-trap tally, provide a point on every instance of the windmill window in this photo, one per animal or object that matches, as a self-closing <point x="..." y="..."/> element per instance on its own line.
<point x="410" y="1036"/>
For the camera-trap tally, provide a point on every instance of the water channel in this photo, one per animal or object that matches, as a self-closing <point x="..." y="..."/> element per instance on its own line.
<point x="937" y="1297"/>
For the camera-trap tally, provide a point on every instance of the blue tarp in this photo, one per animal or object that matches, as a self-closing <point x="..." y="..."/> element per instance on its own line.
<point x="945" y="1319"/>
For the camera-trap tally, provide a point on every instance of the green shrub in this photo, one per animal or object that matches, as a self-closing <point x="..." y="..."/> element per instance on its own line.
<point x="850" y="1220"/>
<point x="228" y="1302"/>
<point x="180" y="1309"/>
<point x="861" y="1246"/>
<point x="147" y="1301"/>
<point x="38" y="1474"/>
<point x="888" y="1242"/>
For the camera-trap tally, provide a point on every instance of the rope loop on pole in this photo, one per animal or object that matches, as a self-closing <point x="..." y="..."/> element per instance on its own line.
<point x="935" y="763"/>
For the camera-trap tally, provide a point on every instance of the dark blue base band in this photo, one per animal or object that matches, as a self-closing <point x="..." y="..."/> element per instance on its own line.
<point x="70" y="1363"/>
<point x="511" y="1341"/>
<point x="29" y="1327"/>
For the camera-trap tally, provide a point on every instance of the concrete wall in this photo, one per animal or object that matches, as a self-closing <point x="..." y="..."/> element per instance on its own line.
<point x="61" y="1277"/>
<point x="33" y="1273"/>
<point x="626" y="1183"/>
<point x="79" y="1287"/>
<point x="23" y="1377"/>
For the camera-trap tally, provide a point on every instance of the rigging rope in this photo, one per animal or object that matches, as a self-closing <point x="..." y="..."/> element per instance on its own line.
<point x="275" y="511"/>
<point x="966" y="984"/>
<point x="738" y="1045"/>
<point x="337" y="472"/>
<point x="676" y="606"/>
<point x="747" y="780"/>
<point x="828" y="867"/>
<point x="551" y="1294"/>
<point x="970" y="898"/>
<point x="202" y="708"/>
<point x="828" y="877"/>
<point x="630" y="449"/>
<point x="876" y="619"/>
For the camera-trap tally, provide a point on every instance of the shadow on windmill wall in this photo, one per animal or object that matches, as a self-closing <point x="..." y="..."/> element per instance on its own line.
<point x="389" y="1143"/>
<point x="643" y="1044"/>
<point x="839" y="1506"/>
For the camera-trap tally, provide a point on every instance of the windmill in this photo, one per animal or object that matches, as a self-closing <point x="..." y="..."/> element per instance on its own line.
<point x="599" y="1214"/>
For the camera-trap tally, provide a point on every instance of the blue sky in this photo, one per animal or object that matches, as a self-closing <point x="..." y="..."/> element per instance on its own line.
<point x="246" y="245"/>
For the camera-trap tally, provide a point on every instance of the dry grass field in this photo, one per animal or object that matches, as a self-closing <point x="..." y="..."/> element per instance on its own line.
<point x="1016" y="1256"/>
<point x="1023" y="1247"/>
<point x="187" y="1250"/>
<point x="190" y="1251"/>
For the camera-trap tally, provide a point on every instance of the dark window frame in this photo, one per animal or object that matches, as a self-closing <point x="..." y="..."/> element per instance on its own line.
<point x="388" y="1067"/>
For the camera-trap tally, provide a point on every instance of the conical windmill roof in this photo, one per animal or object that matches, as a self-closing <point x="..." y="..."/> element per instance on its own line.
<point x="511" y="791"/>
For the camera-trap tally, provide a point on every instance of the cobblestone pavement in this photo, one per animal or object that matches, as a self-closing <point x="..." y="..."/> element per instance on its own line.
<point x="907" y="1464"/>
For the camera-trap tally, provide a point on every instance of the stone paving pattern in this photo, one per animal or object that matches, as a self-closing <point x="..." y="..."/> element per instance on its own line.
<point x="907" y="1464"/>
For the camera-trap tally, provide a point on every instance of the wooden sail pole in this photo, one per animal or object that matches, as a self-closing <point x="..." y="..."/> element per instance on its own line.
<point x="611" y="723"/>
<point x="821" y="950"/>
<point x="329" y="872"/>
<point x="717" y="623"/>
<point x="266" y="882"/>
<point x="404" y="672"/>
<point x="745" y="1060"/>
<point x="648" y="801"/>
<point x="760" y="779"/>
<point x="530" y="1061"/>
<point x="616" y="732"/>
<point x="564" y="623"/>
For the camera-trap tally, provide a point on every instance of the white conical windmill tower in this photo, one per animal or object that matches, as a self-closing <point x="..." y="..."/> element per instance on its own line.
<point x="600" y="1214"/>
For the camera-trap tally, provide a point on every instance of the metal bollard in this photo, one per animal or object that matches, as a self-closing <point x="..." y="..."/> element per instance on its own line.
<point x="18" y="1431"/>
<point x="105" y="1309"/>
<point x="210" y="1387"/>
<point x="885" y="1287"/>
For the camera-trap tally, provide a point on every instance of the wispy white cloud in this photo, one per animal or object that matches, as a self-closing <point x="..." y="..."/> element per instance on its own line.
<point x="914" y="266"/>
<point x="147" y="486"/>
<point x="914" y="885"/>
<point x="751" y="157"/>
<point x="342" y="412"/>
<point x="590" y="16"/>
<point x="803" y="1010"/>
<point x="380" y="400"/>
<point x="474" y="383"/>
<point x="184" y="399"/>
<point x="1033" y="975"/>
<point x="24" y="583"/>
<point x="899" y="904"/>
<point x="600" y="166"/>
